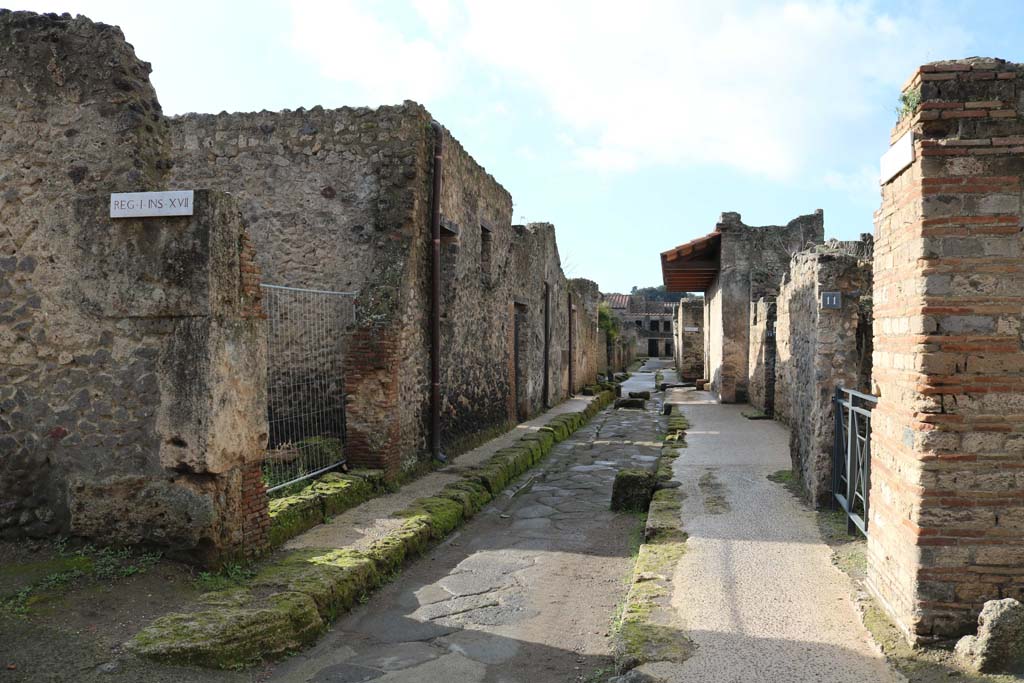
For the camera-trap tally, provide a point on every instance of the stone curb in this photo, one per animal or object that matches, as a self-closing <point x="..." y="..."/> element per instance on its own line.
<point x="646" y="631"/>
<point x="331" y="494"/>
<point x="293" y="598"/>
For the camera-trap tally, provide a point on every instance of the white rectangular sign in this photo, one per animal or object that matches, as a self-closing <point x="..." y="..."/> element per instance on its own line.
<point x="140" y="204"/>
<point x="898" y="157"/>
<point x="691" y="329"/>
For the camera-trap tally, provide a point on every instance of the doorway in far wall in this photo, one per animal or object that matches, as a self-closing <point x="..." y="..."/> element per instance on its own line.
<point x="652" y="348"/>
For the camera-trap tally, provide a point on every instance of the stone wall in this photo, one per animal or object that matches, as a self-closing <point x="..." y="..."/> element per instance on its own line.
<point x="476" y="326"/>
<point x="337" y="200"/>
<point x="947" y="519"/>
<point x="713" y="332"/>
<point x="688" y="335"/>
<point x="761" y="364"/>
<point x="617" y="355"/>
<point x="819" y="349"/>
<point x="340" y="200"/>
<point x="586" y="347"/>
<point x="132" y="382"/>
<point x="141" y="416"/>
<point x="752" y="262"/>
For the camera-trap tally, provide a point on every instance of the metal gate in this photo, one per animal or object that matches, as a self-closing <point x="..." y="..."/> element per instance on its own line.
<point x="851" y="456"/>
<point x="305" y="383"/>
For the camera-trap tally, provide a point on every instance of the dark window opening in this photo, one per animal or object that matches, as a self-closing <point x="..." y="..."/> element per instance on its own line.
<point x="654" y="326"/>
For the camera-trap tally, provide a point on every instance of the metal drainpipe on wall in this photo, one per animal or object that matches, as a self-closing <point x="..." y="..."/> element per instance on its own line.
<point x="435" y="298"/>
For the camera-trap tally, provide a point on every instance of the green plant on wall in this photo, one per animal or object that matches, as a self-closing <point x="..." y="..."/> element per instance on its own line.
<point x="909" y="102"/>
<point x="607" y="321"/>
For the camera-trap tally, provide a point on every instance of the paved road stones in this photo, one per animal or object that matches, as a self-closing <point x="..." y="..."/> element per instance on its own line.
<point x="524" y="592"/>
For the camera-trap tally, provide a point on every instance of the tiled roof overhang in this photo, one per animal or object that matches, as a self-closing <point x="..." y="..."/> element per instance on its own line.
<point x="691" y="267"/>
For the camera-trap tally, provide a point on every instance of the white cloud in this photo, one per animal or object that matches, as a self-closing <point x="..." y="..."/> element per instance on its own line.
<point x="767" y="88"/>
<point x="350" y="43"/>
<point x="862" y="182"/>
<point x="528" y="153"/>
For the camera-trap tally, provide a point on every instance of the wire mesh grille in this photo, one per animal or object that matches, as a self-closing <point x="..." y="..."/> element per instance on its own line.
<point x="306" y="390"/>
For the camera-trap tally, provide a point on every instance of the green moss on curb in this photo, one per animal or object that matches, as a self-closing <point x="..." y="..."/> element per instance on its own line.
<point x="545" y="440"/>
<point x="647" y="631"/>
<point x="329" y="495"/>
<point x="663" y="517"/>
<point x="291" y="515"/>
<point x="334" y="579"/>
<point x="442" y="514"/>
<point x="229" y="637"/>
<point x="473" y="495"/>
<point x="339" y="492"/>
<point x="493" y="476"/>
<point x="290" y="600"/>
<point x="668" y="456"/>
<point x="677" y="426"/>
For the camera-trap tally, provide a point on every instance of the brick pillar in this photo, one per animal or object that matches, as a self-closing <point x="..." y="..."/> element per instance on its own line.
<point x="371" y="366"/>
<point x="947" y="491"/>
<point x="255" y="503"/>
<point x="256" y="521"/>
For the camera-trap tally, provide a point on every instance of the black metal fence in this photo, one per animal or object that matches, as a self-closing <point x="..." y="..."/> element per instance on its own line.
<point x="851" y="456"/>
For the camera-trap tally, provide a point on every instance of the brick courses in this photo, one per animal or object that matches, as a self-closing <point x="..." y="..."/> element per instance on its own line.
<point x="947" y="496"/>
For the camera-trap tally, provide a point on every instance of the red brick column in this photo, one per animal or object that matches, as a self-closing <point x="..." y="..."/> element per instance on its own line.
<point x="371" y="383"/>
<point x="946" y="526"/>
<point x="256" y="521"/>
<point x="255" y="503"/>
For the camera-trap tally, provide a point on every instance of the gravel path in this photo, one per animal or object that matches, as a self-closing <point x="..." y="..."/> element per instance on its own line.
<point x="757" y="590"/>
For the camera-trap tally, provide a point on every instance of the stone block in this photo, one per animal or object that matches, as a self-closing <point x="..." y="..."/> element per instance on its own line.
<point x="632" y="490"/>
<point x="630" y="403"/>
<point x="998" y="646"/>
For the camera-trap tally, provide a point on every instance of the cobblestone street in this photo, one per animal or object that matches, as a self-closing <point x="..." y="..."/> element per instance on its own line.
<point x="524" y="592"/>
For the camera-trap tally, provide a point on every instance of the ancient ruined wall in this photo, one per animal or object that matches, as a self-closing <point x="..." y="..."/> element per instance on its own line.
<point x="947" y="519"/>
<point x="477" y="289"/>
<point x="131" y="351"/>
<point x="623" y="350"/>
<point x="338" y="200"/>
<point x="818" y="349"/>
<point x="688" y="337"/>
<point x="586" y="347"/>
<point x="534" y="266"/>
<point x="752" y="261"/>
<point x="608" y="355"/>
<point x="761" y="364"/>
<point x="713" y="330"/>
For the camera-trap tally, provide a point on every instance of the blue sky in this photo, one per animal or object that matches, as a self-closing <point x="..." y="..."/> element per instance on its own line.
<point x="629" y="125"/>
